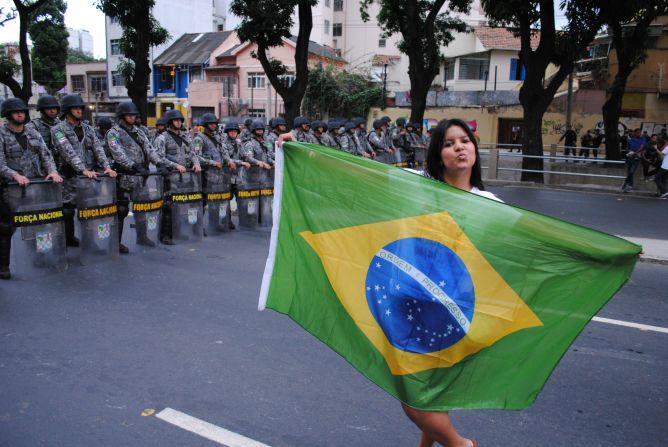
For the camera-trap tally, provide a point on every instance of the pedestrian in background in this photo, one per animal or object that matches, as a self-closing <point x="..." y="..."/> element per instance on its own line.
<point x="570" y="139"/>
<point x="661" y="177"/>
<point x="636" y="145"/>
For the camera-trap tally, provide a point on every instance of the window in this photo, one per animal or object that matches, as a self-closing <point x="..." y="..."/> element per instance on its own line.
<point x="327" y="3"/>
<point x="517" y="71"/>
<point x="221" y="27"/>
<point x="98" y="84"/>
<point x="338" y="5"/>
<point x="78" y="83"/>
<point x="450" y="70"/>
<point x="287" y="79"/>
<point x="256" y="80"/>
<point x="256" y="113"/>
<point x="381" y="43"/>
<point x="337" y="30"/>
<point x="326" y="26"/>
<point x="117" y="79"/>
<point x="115" y="47"/>
<point x="473" y="69"/>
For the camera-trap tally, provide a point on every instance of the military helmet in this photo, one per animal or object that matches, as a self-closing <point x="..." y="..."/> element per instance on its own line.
<point x="333" y="124"/>
<point x="161" y="121"/>
<point x="12" y="105"/>
<point x="410" y="126"/>
<point x="47" y="102"/>
<point x="318" y="124"/>
<point x="104" y="122"/>
<point x="126" y="108"/>
<point x="232" y="125"/>
<point x="208" y="118"/>
<point x="278" y="121"/>
<point x="401" y="121"/>
<point x="257" y="124"/>
<point x="349" y="125"/>
<point x="377" y="124"/>
<point x="173" y="115"/>
<point x="386" y="119"/>
<point x="300" y="121"/>
<point x="248" y="122"/>
<point x="71" y="101"/>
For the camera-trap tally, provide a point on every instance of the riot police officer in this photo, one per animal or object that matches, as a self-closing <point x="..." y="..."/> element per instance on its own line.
<point x="321" y="135"/>
<point x="132" y="155"/>
<point x="349" y="142"/>
<point x="175" y="147"/>
<point x="232" y="147"/>
<point x="24" y="155"/>
<point x="160" y="127"/>
<point x="301" y="130"/>
<point x="102" y="127"/>
<point x="142" y="128"/>
<point x="246" y="132"/>
<point x="80" y="153"/>
<point x="378" y="142"/>
<point x="278" y="126"/>
<point x="48" y="108"/>
<point x="255" y="150"/>
<point x="334" y="127"/>
<point x="209" y="147"/>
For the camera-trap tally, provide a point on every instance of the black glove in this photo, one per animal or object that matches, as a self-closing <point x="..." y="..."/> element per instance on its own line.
<point x="164" y="170"/>
<point x="143" y="172"/>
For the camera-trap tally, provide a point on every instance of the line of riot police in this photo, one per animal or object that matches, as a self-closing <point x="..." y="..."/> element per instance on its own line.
<point x="170" y="180"/>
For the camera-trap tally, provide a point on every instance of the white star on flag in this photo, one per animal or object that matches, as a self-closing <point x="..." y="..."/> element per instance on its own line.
<point x="441" y="284"/>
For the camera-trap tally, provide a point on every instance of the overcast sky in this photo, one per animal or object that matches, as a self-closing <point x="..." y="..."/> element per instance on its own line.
<point x="81" y="14"/>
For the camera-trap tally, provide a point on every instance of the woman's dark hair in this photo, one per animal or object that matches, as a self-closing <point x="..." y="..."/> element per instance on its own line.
<point x="435" y="168"/>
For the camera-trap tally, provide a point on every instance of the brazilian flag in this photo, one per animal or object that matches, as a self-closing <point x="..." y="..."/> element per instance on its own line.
<point x="442" y="298"/>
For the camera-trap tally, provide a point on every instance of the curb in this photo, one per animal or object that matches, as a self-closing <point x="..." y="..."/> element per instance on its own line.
<point x="653" y="260"/>
<point x="590" y="189"/>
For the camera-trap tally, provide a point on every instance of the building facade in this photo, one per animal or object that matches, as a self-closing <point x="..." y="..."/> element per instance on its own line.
<point x="81" y="40"/>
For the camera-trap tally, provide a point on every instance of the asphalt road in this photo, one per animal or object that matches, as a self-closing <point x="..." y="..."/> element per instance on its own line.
<point x="84" y="353"/>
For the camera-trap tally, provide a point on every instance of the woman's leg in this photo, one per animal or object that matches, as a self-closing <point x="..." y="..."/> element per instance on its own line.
<point x="436" y="426"/>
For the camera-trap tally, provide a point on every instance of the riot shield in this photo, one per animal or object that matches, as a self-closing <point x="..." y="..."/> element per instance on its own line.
<point x="420" y="156"/>
<point x="266" y="198"/>
<point x="186" y="203"/>
<point x="38" y="244"/>
<point x="248" y="197"/>
<point x="147" y="200"/>
<point x="98" y="219"/>
<point x="398" y="158"/>
<point x="384" y="157"/>
<point x="218" y="195"/>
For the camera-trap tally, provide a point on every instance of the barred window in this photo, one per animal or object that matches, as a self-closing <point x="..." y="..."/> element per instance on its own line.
<point x="473" y="69"/>
<point x="117" y="79"/>
<point x="115" y="47"/>
<point x="78" y="83"/>
<point x="337" y="29"/>
<point x="338" y="5"/>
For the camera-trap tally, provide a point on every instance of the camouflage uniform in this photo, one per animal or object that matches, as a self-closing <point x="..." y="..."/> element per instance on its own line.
<point x="29" y="157"/>
<point x="270" y="140"/>
<point x="377" y="142"/>
<point x="233" y="150"/>
<point x="304" y="137"/>
<point x="256" y="151"/>
<point x="79" y="150"/>
<point x="326" y="140"/>
<point x="350" y="143"/>
<point x="245" y="135"/>
<point x="209" y="149"/>
<point x="44" y="128"/>
<point x="176" y="149"/>
<point x="131" y="150"/>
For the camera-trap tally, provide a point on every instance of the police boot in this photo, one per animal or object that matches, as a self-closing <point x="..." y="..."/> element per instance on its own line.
<point x="142" y="234"/>
<point x="166" y="226"/>
<point x="70" y="239"/>
<point x="5" y="247"/>
<point x="122" y="212"/>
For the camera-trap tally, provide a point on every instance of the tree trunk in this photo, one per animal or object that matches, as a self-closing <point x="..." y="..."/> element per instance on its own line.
<point x="534" y="104"/>
<point x="419" y="91"/>
<point x="611" y="111"/>
<point x="292" y="109"/>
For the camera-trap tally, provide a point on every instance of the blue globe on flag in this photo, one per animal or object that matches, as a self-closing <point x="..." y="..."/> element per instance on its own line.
<point x="420" y="294"/>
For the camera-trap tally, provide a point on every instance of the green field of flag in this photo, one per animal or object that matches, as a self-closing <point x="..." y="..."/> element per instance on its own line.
<point x="442" y="298"/>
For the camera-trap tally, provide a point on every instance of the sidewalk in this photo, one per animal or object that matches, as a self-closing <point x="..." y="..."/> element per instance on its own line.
<point x="653" y="250"/>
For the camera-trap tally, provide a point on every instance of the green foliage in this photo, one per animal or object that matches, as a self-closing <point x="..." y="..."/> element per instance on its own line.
<point x="141" y="31"/>
<point x="425" y="26"/>
<point x="8" y="68"/>
<point x="49" y="37"/>
<point x="76" y="56"/>
<point x="339" y="93"/>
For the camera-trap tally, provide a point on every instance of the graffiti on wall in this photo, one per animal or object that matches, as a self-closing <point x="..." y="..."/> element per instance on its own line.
<point x="558" y="127"/>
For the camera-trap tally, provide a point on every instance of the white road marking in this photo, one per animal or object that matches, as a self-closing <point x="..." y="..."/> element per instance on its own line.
<point x="206" y="430"/>
<point x="642" y="327"/>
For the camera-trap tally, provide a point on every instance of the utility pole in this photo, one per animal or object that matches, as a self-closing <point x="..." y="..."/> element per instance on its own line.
<point x="382" y="105"/>
<point x="569" y="100"/>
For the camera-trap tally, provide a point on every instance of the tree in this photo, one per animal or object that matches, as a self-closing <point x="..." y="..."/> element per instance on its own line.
<point x="9" y="68"/>
<point x="339" y="93"/>
<point x="76" y="56"/>
<point x="425" y="29"/>
<point x="535" y="19"/>
<point x="141" y="31"/>
<point x="49" y="38"/>
<point x="267" y="23"/>
<point x="628" y="24"/>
